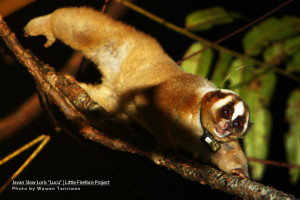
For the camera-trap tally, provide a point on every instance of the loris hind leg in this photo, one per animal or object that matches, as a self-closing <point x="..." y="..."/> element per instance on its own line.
<point x="103" y="95"/>
<point x="231" y="159"/>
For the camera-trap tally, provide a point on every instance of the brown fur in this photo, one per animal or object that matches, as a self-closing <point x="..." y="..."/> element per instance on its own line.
<point x="139" y="79"/>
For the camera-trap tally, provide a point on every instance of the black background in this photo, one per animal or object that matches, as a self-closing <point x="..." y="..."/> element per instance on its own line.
<point x="131" y="176"/>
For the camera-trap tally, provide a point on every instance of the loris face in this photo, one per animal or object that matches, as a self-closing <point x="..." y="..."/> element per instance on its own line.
<point x="224" y="115"/>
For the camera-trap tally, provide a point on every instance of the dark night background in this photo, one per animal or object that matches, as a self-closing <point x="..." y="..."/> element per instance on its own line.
<point x="131" y="176"/>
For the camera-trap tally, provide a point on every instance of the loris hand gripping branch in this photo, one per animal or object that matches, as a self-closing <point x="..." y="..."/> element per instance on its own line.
<point x="142" y="81"/>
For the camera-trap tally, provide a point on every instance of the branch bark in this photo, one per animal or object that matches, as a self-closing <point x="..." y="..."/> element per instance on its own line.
<point x="82" y="111"/>
<point x="31" y="109"/>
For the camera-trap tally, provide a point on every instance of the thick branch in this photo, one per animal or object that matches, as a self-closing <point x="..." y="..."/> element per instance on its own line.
<point x="31" y="109"/>
<point x="79" y="108"/>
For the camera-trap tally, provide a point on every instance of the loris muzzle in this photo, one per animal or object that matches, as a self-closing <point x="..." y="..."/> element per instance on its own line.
<point x="144" y="84"/>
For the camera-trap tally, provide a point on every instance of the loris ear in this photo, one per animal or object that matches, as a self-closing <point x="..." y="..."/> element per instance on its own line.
<point x="250" y="124"/>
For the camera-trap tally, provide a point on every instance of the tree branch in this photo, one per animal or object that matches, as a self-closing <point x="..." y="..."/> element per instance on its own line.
<point x="82" y="111"/>
<point x="31" y="109"/>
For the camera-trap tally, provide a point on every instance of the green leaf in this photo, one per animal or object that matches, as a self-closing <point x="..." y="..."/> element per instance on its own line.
<point x="200" y="63"/>
<point x="236" y="77"/>
<point x="240" y="73"/>
<point x="257" y="92"/>
<point x="274" y="54"/>
<point x="268" y="83"/>
<point x="292" y="137"/>
<point x="292" y="45"/>
<point x="258" y="95"/>
<point x="221" y="69"/>
<point x="269" y="30"/>
<point x="205" y="19"/>
<point x="294" y="64"/>
<point x="257" y="140"/>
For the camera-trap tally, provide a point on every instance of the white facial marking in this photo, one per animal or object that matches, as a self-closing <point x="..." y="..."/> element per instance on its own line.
<point x="247" y="121"/>
<point x="221" y="135"/>
<point x="218" y="134"/>
<point x="238" y="110"/>
<point x="221" y="102"/>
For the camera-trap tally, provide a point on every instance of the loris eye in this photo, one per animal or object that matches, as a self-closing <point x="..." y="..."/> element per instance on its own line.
<point x="237" y="123"/>
<point x="227" y="111"/>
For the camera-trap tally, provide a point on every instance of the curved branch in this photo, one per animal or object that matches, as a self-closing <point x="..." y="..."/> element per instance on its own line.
<point x="81" y="110"/>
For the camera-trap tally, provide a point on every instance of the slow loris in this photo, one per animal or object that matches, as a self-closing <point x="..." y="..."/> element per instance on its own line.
<point x="145" y="84"/>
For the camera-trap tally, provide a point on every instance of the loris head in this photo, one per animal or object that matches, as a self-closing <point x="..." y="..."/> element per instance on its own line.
<point x="224" y="115"/>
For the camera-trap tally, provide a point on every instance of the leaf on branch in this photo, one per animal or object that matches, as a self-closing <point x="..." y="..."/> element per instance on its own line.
<point x="200" y="63"/>
<point x="221" y="69"/>
<point x="237" y="77"/>
<point x="270" y="30"/>
<point x="268" y="83"/>
<point x="274" y="54"/>
<point x="257" y="140"/>
<point x="205" y="19"/>
<point x="294" y="63"/>
<point x="259" y="94"/>
<point x="292" y="137"/>
<point x="256" y="89"/>
<point x="292" y="48"/>
<point x="292" y="45"/>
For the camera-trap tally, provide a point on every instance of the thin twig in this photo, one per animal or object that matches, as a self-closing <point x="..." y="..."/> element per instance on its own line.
<point x="45" y="139"/>
<point x="22" y="149"/>
<point x="104" y="6"/>
<point x="274" y="163"/>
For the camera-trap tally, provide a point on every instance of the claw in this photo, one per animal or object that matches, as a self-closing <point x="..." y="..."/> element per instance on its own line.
<point x="240" y="173"/>
<point x="163" y="150"/>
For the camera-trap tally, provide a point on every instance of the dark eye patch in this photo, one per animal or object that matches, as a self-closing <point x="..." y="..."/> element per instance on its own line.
<point x="238" y="123"/>
<point x="227" y="111"/>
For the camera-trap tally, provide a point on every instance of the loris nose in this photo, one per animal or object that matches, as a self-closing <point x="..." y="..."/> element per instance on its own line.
<point x="227" y="126"/>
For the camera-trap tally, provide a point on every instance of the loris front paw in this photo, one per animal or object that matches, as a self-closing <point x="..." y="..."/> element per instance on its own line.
<point x="41" y="26"/>
<point x="231" y="159"/>
<point x="240" y="172"/>
<point x="163" y="150"/>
